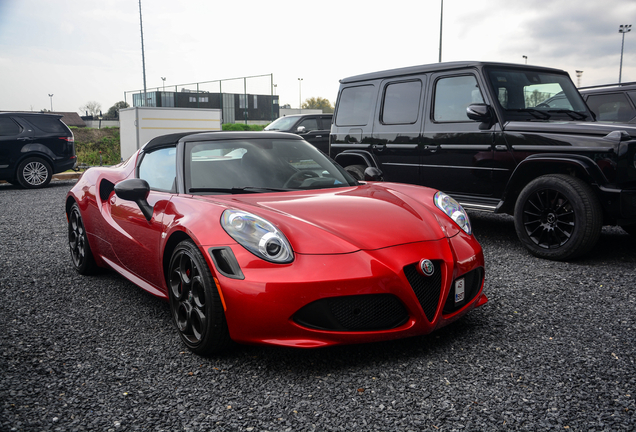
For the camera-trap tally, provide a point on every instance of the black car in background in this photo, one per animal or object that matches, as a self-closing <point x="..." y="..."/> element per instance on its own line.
<point x="314" y="128"/>
<point x="498" y="137"/>
<point x="33" y="147"/>
<point x="612" y="102"/>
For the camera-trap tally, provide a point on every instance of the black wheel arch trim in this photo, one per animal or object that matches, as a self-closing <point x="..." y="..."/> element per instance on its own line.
<point x="358" y="155"/>
<point x="552" y="163"/>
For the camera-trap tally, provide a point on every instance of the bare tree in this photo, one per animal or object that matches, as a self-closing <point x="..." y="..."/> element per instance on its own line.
<point x="91" y="108"/>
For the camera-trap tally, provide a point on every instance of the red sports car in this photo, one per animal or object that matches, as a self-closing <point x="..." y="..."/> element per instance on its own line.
<point x="261" y="238"/>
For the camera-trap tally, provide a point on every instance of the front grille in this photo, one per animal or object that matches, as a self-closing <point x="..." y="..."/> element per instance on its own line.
<point x="353" y="313"/>
<point x="472" y="283"/>
<point x="426" y="288"/>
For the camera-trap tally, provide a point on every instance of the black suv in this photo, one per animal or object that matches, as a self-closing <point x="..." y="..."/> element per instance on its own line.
<point x="33" y="147"/>
<point x="483" y="133"/>
<point x="314" y="128"/>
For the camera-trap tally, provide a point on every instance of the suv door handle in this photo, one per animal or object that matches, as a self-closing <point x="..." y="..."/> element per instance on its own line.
<point x="433" y="147"/>
<point x="501" y="148"/>
<point x="378" y="147"/>
<point x="24" y="139"/>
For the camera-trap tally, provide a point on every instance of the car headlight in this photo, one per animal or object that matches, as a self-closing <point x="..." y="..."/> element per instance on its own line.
<point x="454" y="210"/>
<point x="257" y="236"/>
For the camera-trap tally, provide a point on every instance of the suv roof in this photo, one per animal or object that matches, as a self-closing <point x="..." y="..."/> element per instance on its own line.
<point x="434" y="67"/>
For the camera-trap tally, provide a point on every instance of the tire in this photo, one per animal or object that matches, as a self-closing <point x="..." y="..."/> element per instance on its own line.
<point x="356" y="171"/>
<point x="34" y="173"/>
<point x="558" y="217"/>
<point x="81" y="254"/>
<point x="195" y="304"/>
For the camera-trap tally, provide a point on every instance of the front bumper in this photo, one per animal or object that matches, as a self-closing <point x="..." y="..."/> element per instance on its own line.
<point x="366" y="296"/>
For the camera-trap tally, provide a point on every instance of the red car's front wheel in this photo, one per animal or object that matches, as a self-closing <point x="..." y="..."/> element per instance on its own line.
<point x="196" y="306"/>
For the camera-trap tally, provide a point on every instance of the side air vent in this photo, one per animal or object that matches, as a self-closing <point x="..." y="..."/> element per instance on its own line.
<point x="225" y="262"/>
<point x="105" y="189"/>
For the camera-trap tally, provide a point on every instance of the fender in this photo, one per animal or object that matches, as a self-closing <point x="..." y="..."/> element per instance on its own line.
<point x="549" y="163"/>
<point x="33" y="149"/>
<point x="356" y="157"/>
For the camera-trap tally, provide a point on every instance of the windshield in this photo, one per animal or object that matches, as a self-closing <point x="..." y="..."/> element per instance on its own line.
<point x="282" y="123"/>
<point x="259" y="165"/>
<point x="531" y="96"/>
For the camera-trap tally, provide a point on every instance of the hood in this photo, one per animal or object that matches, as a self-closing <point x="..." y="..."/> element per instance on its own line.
<point x="597" y="129"/>
<point x="345" y="220"/>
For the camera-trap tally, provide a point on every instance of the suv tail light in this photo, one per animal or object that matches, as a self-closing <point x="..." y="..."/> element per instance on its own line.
<point x="68" y="139"/>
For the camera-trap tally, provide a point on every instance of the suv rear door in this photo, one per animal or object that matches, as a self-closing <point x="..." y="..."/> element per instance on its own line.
<point x="397" y="127"/>
<point x="13" y="136"/>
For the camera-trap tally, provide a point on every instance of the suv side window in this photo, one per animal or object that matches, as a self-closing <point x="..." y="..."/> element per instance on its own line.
<point x="611" y="107"/>
<point x="159" y="169"/>
<point x="47" y="123"/>
<point x="310" y="124"/>
<point x="401" y="102"/>
<point x="452" y="97"/>
<point x="354" y="107"/>
<point x="8" y="127"/>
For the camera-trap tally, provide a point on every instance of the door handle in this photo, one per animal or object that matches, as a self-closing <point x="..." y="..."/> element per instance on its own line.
<point x="378" y="147"/>
<point x="501" y="148"/>
<point x="432" y="148"/>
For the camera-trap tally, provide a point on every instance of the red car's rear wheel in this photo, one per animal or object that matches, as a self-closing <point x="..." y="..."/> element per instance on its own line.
<point x="196" y="306"/>
<point x="81" y="254"/>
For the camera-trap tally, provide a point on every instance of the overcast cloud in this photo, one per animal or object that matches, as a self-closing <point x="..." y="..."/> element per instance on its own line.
<point x="84" y="50"/>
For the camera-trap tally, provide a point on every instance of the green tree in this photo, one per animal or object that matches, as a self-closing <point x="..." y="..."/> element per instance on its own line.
<point x="318" y="103"/>
<point x="113" y="112"/>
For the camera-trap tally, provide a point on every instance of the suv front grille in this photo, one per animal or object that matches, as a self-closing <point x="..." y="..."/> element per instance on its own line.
<point x="426" y="288"/>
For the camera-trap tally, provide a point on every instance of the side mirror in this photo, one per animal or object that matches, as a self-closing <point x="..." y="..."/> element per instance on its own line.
<point x="372" y="174"/>
<point x="301" y="129"/>
<point x="136" y="190"/>
<point x="481" y="113"/>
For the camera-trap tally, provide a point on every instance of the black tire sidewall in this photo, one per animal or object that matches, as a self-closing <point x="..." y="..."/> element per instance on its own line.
<point x="216" y="337"/>
<point x="587" y="213"/>
<point x="20" y="173"/>
<point x="88" y="266"/>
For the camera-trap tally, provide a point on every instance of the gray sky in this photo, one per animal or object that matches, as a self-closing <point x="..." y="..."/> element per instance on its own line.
<point x="90" y="50"/>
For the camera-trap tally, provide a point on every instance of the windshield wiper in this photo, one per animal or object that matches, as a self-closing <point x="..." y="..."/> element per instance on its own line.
<point x="239" y="190"/>
<point x="538" y="114"/>
<point x="574" y="115"/>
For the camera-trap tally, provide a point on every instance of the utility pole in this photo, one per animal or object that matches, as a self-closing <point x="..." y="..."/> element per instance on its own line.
<point x="143" y="59"/>
<point x="623" y="29"/>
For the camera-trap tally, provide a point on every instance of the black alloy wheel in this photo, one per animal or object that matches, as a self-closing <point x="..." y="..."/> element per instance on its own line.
<point x="195" y="303"/>
<point x="81" y="254"/>
<point x="34" y="173"/>
<point x="558" y="217"/>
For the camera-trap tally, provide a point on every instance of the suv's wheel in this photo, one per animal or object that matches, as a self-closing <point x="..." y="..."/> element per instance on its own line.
<point x="558" y="217"/>
<point x="34" y="173"/>
<point x="356" y="171"/>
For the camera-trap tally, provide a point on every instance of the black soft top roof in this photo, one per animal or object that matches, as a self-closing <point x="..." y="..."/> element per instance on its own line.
<point x="438" y="67"/>
<point x="172" y="139"/>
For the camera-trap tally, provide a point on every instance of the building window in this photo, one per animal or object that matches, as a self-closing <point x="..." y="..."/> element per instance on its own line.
<point x="243" y="101"/>
<point x="255" y="102"/>
<point x="203" y="98"/>
<point x="192" y="99"/>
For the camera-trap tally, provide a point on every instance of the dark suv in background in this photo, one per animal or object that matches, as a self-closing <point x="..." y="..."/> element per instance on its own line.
<point x="612" y="102"/>
<point x="483" y="133"/>
<point x="314" y="128"/>
<point x="33" y="147"/>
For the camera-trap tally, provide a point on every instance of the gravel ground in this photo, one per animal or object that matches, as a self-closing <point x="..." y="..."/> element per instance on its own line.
<point x="552" y="350"/>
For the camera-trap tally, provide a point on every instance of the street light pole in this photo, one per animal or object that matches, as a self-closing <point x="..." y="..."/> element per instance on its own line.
<point x="623" y="29"/>
<point x="579" y="73"/>
<point x="441" y="21"/>
<point x="525" y="58"/>
<point x="300" y="104"/>
<point x="143" y="59"/>
<point x="51" y="96"/>
<point x="164" y="83"/>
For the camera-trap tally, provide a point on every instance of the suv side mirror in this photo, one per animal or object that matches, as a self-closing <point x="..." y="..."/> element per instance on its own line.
<point x="481" y="113"/>
<point x="136" y="190"/>
<point x="372" y="174"/>
<point x="301" y="129"/>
